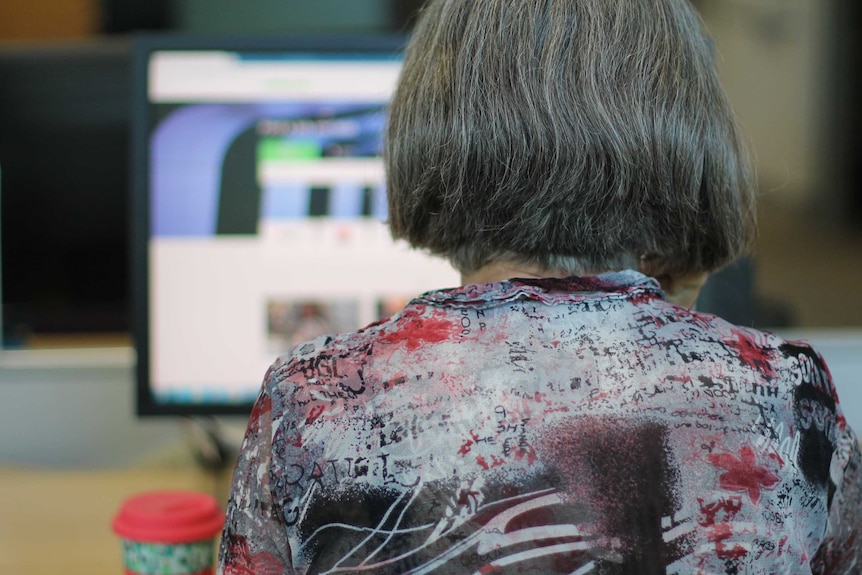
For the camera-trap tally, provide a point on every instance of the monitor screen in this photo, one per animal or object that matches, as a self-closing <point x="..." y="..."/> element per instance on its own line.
<point x="259" y="209"/>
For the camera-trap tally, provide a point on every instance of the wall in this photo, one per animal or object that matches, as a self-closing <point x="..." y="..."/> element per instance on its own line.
<point x="778" y="61"/>
<point x="75" y="408"/>
<point x="281" y="16"/>
<point x="42" y="19"/>
<point x="771" y="57"/>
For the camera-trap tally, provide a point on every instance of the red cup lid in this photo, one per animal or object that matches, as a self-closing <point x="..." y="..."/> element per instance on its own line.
<point x="169" y="517"/>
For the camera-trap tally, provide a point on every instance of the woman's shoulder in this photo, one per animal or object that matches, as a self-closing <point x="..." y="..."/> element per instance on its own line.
<point x="328" y="367"/>
<point x="771" y="354"/>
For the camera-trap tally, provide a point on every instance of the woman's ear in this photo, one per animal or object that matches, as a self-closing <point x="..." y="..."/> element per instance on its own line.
<point x="680" y="289"/>
<point x="683" y="289"/>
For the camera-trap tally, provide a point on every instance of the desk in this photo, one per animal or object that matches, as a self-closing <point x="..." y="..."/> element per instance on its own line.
<point x="59" y="521"/>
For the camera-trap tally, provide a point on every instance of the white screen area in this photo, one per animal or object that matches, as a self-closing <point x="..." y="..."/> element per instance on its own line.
<point x="267" y="202"/>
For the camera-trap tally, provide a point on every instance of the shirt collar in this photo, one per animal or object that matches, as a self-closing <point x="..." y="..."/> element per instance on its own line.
<point x="624" y="283"/>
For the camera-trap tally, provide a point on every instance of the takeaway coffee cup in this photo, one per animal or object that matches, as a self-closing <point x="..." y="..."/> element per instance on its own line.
<point x="168" y="533"/>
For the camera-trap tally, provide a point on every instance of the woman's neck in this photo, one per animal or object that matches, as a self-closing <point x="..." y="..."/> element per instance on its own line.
<point x="501" y="271"/>
<point x="681" y="289"/>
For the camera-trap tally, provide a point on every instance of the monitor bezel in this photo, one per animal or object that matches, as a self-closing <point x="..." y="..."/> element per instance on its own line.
<point x="141" y="119"/>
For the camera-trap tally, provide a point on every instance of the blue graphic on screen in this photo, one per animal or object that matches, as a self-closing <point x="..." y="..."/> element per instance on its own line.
<point x="193" y="180"/>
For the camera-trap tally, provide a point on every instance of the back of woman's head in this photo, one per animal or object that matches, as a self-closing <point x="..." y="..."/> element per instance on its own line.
<point x="572" y="134"/>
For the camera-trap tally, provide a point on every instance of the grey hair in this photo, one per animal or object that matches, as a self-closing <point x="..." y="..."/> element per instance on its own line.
<point x="581" y="135"/>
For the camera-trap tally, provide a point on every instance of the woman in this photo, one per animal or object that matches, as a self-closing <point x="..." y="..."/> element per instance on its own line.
<point x="580" y="418"/>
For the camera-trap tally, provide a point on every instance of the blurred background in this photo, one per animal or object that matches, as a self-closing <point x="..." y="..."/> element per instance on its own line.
<point x="792" y="71"/>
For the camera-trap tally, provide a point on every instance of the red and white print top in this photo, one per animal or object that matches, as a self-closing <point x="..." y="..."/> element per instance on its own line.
<point x="573" y="426"/>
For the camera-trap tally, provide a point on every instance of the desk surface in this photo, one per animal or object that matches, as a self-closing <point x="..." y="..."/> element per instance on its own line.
<point x="55" y="521"/>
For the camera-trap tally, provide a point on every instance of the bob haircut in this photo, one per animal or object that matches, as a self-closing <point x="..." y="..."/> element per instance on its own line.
<point x="578" y="135"/>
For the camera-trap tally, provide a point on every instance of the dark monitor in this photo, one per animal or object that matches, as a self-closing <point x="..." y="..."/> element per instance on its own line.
<point x="64" y="115"/>
<point x="258" y="209"/>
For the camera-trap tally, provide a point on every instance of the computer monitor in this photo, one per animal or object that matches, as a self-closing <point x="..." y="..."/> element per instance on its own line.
<point x="64" y="137"/>
<point x="258" y="209"/>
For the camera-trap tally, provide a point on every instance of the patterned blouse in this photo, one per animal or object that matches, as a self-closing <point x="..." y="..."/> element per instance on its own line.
<point x="573" y="426"/>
